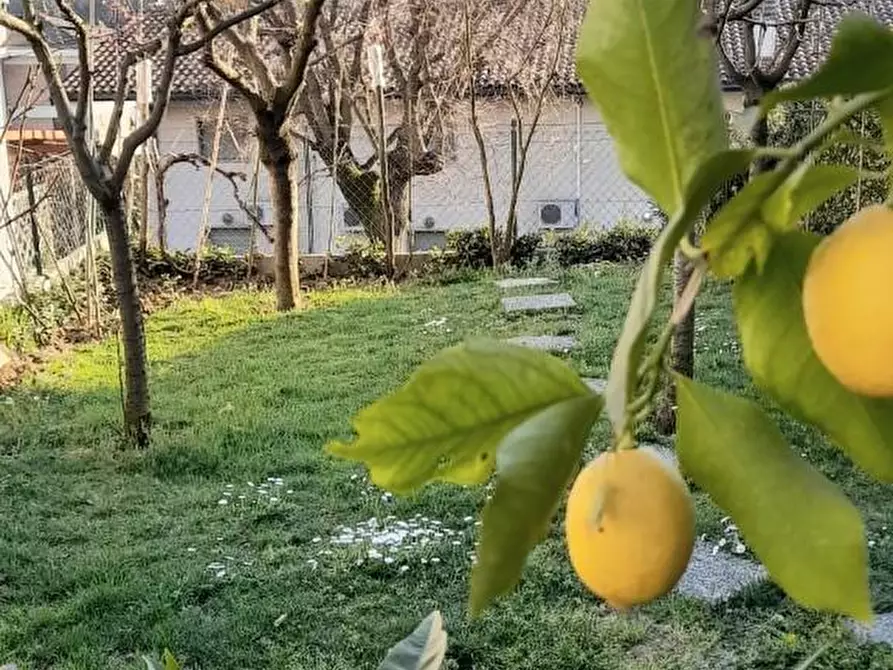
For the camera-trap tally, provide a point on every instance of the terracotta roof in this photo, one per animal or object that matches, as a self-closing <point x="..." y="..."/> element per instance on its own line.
<point x="501" y="60"/>
<point x="14" y="135"/>
<point x="820" y="26"/>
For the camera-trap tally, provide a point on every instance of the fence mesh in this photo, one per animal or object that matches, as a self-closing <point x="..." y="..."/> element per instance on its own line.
<point x="571" y="179"/>
<point x="45" y="229"/>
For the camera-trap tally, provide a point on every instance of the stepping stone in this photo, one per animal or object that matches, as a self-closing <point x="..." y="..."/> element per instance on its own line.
<point x="538" y="303"/>
<point x="597" y="385"/>
<point x="545" y="342"/>
<point x="880" y="631"/>
<point x="718" y="577"/>
<point x="524" y="282"/>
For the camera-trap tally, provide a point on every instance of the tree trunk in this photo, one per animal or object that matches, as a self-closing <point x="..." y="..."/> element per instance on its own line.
<point x="276" y="156"/>
<point x="137" y="419"/>
<point x="682" y="348"/>
<point x="162" y="206"/>
<point x="399" y="193"/>
<point x="362" y="191"/>
<point x="759" y="132"/>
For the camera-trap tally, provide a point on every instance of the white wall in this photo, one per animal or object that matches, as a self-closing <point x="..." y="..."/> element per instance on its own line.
<point x="571" y="162"/>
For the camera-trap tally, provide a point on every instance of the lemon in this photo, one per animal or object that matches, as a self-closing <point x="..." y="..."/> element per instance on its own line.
<point x="847" y="303"/>
<point x="629" y="527"/>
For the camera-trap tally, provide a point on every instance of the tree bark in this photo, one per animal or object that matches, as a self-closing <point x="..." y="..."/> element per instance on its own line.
<point x="362" y="191"/>
<point x="137" y="418"/>
<point x="277" y="158"/>
<point x="682" y="348"/>
<point x="399" y="193"/>
<point x="759" y="132"/>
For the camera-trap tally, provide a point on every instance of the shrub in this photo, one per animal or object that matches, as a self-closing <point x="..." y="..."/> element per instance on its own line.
<point x="364" y="260"/>
<point x="471" y="248"/>
<point x="623" y="243"/>
<point x="791" y="122"/>
<point x="217" y="264"/>
<point x="526" y="249"/>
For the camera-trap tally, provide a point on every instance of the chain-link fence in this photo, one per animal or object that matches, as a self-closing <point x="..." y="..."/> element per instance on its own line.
<point x="569" y="179"/>
<point x="45" y="230"/>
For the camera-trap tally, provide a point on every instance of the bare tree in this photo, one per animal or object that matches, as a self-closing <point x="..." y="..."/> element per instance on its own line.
<point x="770" y="34"/>
<point x="104" y="166"/>
<point x="425" y="73"/>
<point x="273" y="60"/>
<point x="541" y="35"/>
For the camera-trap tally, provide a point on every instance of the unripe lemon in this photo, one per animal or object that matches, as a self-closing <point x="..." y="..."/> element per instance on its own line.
<point x="630" y="526"/>
<point x="847" y="302"/>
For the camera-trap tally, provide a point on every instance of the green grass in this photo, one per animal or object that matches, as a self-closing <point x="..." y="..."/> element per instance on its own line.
<point x="104" y="552"/>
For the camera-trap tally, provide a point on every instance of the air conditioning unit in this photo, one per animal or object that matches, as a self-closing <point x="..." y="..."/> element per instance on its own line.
<point x="350" y="218"/>
<point x="556" y="214"/>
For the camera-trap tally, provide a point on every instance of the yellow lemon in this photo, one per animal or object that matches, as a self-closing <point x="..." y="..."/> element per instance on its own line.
<point x="847" y="302"/>
<point x="630" y="526"/>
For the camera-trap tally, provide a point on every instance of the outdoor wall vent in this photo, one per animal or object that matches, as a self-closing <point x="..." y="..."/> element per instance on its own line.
<point x="428" y="222"/>
<point x="351" y="218"/>
<point x="228" y="219"/>
<point x="556" y="213"/>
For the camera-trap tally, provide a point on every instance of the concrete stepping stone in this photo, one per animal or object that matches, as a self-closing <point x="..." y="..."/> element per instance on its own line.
<point x="524" y="282"/>
<point x="597" y="385"/>
<point x="880" y="631"/>
<point x="538" y="303"/>
<point x="717" y="577"/>
<point x="545" y="342"/>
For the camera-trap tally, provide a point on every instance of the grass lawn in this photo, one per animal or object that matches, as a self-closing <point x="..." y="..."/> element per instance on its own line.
<point x="105" y="554"/>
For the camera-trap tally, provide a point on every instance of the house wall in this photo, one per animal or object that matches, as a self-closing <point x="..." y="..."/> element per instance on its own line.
<point x="571" y="164"/>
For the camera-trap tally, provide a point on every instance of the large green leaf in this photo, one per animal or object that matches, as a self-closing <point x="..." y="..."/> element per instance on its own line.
<point x="804" y="530"/>
<point x="780" y="357"/>
<point x="630" y="347"/>
<point x="859" y="62"/>
<point x="804" y="191"/>
<point x="448" y="420"/>
<point x="739" y="233"/>
<point x="423" y="649"/>
<point x="653" y="78"/>
<point x="534" y="467"/>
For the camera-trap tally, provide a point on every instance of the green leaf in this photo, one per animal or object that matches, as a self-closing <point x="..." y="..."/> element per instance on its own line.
<point x="423" y="649"/>
<point x="739" y="233"/>
<point x="780" y="357"/>
<point x="858" y="62"/>
<point x="805" y="531"/>
<point x="534" y="467"/>
<point x="622" y="382"/>
<point x="168" y="662"/>
<point x="804" y="191"/>
<point x="448" y="420"/>
<point x="653" y="78"/>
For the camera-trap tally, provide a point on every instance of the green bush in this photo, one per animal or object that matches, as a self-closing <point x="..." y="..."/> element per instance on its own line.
<point x="364" y="259"/>
<point x="471" y="248"/>
<point x="623" y="243"/>
<point x="791" y="122"/>
<point x="217" y="264"/>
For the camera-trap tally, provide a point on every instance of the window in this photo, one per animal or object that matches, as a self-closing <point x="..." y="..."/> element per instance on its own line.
<point x="234" y="139"/>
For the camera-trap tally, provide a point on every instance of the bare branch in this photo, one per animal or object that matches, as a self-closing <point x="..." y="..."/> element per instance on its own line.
<point x="287" y="91"/>
<point x="84" y="62"/>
